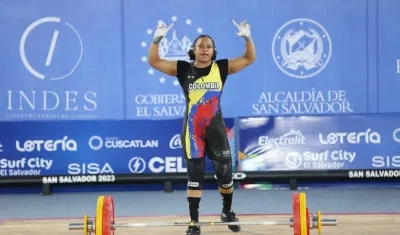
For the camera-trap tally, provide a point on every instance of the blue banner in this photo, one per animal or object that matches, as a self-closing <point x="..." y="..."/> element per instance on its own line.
<point x="320" y="143"/>
<point x="310" y="69"/>
<point x="66" y="61"/>
<point x="307" y="68"/>
<point x="95" y="147"/>
<point x="388" y="55"/>
<point x="61" y="60"/>
<point x="154" y="95"/>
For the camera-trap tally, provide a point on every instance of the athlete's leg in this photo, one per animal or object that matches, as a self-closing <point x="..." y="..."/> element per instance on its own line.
<point x="218" y="150"/>
<point x="195" y="169"/>
<point x="193" y="146"/>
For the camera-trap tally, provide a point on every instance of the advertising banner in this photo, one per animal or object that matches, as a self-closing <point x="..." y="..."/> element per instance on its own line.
<point x="95" y="147"/>
<point x="66" y="61"/>
<point x="320" y="143"/>
<point x="302" y="68"/>
<point x="60" y="60"/>
<point x="388" y="55"/>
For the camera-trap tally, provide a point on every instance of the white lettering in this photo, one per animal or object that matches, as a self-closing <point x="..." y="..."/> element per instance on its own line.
<point x="116" y="143"/>
<point x="142" y="112"/>
<point x="51" y="100"/>
<point x="236" y="176"/>
<point x="398" y="66"/>
<point x="18" y="172"/>
<point x="228" y="185"/>
<point x="175" y="142"/>
<point x="48" y="145"/>
<point x="89" y="168"/>
<point x="3" y="172"/>
<point x="32" y="163"/>
<point x="169" y="111"/>
<point x="204" y="86"/>
<point x="319" y="160"/>
<point x="291" y="138"/>
<point x="302" y="102"/>
<point x="336" y="155"/>
<point x="169" y="99"/>
<point x="396" y="135"/>
<point x="96" y="143"/>
<point x="193" y="184"/>
<point x="162" y="105"/>
<point x="79" y="179"/>
<point x="375" y="174"/>
<point x="386" y="161"/>
<point x="350" y="137"/>
<point x="167" y="165"/>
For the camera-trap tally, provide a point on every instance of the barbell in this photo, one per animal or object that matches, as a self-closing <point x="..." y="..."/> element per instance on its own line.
<point x="104" y="221"/>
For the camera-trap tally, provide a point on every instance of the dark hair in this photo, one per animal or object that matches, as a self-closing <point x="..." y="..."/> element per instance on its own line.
<point x="191" y="51"/>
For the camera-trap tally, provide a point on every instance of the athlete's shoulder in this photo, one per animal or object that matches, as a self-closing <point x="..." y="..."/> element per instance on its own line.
<point x="183" y="62"/>
<point x="222" y="62"/>
<point x="182" y="67"/>
<point x="223" y="68"/>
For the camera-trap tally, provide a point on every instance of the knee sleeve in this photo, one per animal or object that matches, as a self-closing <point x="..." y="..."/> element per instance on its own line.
<point x="195" y="171"/>
<point x="223" y="171"/>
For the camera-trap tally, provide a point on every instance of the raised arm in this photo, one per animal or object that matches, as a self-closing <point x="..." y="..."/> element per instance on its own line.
<point x="239" y="63"/>
<point x="165" y="66"/>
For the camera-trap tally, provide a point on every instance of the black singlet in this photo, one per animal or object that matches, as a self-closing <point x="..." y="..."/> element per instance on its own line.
<point x="203" y="127"/>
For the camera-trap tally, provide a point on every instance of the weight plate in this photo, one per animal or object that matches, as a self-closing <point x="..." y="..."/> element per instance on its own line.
<point x="99" y="216"/>
<point x="296" y="213"/>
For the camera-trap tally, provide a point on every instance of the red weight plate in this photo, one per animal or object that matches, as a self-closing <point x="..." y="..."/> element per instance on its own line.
<point x="112" y="216"/>
<point x="308" y="222"/>
<point x="108" y="215"/>
<point x="296" y="213"/>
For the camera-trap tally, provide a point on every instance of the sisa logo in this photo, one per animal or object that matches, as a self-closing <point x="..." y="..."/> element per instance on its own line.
<point x="175" y="142"/>
<point x="64" y="145"/>
<point x="386" y="161"/>
<point x="89" y="168"/>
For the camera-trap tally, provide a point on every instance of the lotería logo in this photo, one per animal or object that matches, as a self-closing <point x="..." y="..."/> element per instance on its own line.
<point x="65" y="145"/>
<point x="368" y="137"/>
<point x="137" y="165"/>
<point x="301" y="48"/>
<point x="172" y="47"/>
<point x="52" y="48"/>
